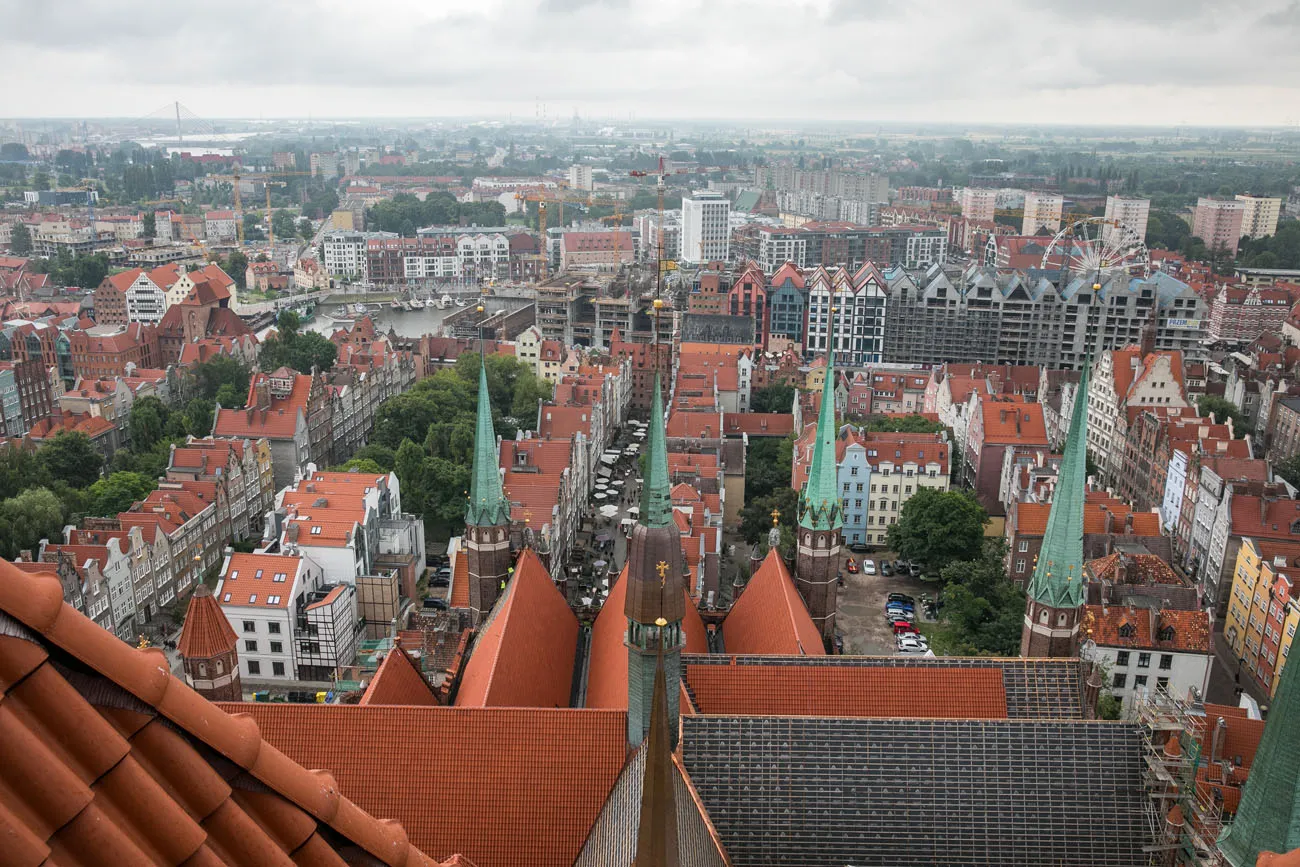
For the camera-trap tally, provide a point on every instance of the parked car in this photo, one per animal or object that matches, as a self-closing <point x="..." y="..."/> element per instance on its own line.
<point x="868" y="567"/>
<point x="852" y="566"/>
<point x="858" y="547"/>
<point x="439" y="604"/>
<point x="900" y="566"/>
<point x="901" y="597"/>
<point x="894" y="615"/>
<point x="912" y="644"/>
<point x="886" y="569"/>
<point x="440" y="580"/>
<point x="904" y="627"/>
<point x="914" y="570"/>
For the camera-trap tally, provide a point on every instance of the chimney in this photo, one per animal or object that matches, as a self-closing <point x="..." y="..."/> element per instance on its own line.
<point x="1216" y="742"/>
<point x="1121" y="569"/>
<point x="1128" y="524"/>
<point x="1110" y="520"/>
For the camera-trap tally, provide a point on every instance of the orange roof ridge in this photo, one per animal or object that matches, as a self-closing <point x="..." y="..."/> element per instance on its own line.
<point x="770" y="616"/>
<point x="206" y="632"/>
<point x="524" y="653"/>
<point x="136" y="778"/>
<point x="399" y="681"/>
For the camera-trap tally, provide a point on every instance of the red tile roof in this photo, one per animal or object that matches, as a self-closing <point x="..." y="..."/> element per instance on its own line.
<point x="460" y="580"/>
<point x="206" y="632"/>
<point x="116" y="761"/>
<point x="398" y="681"/>
<point x="505" y="787"/>
<point x="1106" y="625"/>
<point x="771" y="424"/>
<point x="1013" y="422"/>
<point x="848" y="691"/>
<point x="524" y="653"/>
<point x="770" y="616"/>
<point x="695" y="425"/>
<point x="607" y="666"/>
<point x="1260" y="518"/>
<point x="251" y="580"/>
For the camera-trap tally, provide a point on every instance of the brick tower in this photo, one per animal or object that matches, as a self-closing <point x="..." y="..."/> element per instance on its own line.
<point x="1055" y="592"/>
<point x="821" y="519"/>
<point x="487" y="519"/>
<point x="656" y="597"/>
<point x="209" y="649"/>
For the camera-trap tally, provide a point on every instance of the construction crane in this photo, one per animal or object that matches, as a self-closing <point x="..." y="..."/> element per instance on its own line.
<point x="541" y="201"/>
<point x="234" y="179"/>
<point x="660" y="264"/>
<point x="270" y="228"/>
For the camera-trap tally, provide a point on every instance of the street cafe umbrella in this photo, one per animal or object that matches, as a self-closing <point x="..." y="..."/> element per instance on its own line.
<point x="603" y="537"/>
<point x="600" y="495"/>
<point x="600" y="564"/>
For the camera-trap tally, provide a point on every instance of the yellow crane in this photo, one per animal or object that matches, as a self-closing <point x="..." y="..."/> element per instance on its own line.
<point x="541" y="199"/>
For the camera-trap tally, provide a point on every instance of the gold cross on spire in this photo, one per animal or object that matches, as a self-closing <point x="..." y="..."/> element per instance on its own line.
<point x="776" y="516"/>
<point x="662" y="569"/>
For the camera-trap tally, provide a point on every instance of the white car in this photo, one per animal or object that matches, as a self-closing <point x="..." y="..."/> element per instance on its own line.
<point x="912" y="644"/>
<point x="868" y="567"/>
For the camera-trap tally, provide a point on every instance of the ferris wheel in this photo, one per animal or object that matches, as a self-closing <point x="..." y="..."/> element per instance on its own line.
<point x="1098" y="247"/>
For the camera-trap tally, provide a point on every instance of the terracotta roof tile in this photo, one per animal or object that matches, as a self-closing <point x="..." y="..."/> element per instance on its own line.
<point x="772" y="424"/>
<point x="460" y="580"/>
<point x="502" y="786"/>
<point x="524" y="653"/>
<point x="206" y="631"/>
<point x="770" y="616"/>
<point x="1110" y="627"/>
<point x="607" y="665"/>
<point x="848" y="691"/>
<point x="398" y="681"/>
<point x="119" y="762"/>
<point x="254" y="580"/>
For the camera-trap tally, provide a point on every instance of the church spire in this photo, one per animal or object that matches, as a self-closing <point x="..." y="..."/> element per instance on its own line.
<point x="1058" y="575"/>
<point x="1268" y="819"/>
<point x="656" y="839"/>
<point x="656" y="493"/>
<point x="819" y="506"/>
<point x="487" y="503"/>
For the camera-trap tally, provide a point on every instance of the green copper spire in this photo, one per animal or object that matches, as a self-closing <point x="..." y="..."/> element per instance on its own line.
<point x="487" y="502"/>
<point x="1268" y="818"/>
<point x="656" y="492"/>
<point x="1058" y="574"/>
<point x="819" y="506"/>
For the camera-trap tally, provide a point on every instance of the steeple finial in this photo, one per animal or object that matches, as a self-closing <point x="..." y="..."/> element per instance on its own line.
<point x="819" y="506"/>
<point x="1053" y="584"/>
<point x="656" y="839"/>
<point x="487" y="502"/>
<point x="656" y="493"/>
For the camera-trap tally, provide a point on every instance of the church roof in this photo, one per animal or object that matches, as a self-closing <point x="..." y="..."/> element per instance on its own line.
<point x="106" y="758"/>
<point x="399" y="681"/>
<point x="1058" y="573"/>
<point x="770" y="615"/>
<point x="819" y="502"/>
<point x="206" y="632"/>
<point x="607" y="666"/>
<point x="656" y="494"/>
<point x="487" y="504"/>
<point x="524" y="653"/>
<point x="1268" y="819"/>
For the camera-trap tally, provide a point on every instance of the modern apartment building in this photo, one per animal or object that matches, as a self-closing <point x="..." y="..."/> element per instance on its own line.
<point x="1259" y="215"/>
<point x="706" y="229"/>
<point x="851" y="246"/>
<point x="580" y="178"/>
<point x="978" y="204"/>
<point x="1217" y="222"/>
<point x="857" y="335"/>
<point x="1129" y="211"/>
<point x="1042" y="212"/>
<point x="344" y="252"/>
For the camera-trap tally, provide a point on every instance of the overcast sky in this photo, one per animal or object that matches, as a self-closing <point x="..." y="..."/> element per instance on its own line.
<point x="1094" y="61"/>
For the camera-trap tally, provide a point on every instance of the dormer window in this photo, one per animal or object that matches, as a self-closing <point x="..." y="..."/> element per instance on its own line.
<point x="1127" y="630"/>
<point x="1166" y="633"/>
<point x="315" y="531"/>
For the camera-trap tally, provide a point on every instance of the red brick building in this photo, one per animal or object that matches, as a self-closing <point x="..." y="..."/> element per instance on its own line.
<point x="97" y="355"/>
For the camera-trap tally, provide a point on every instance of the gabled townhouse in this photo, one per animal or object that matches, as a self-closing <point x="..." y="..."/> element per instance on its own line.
<point x="290" y="410"/>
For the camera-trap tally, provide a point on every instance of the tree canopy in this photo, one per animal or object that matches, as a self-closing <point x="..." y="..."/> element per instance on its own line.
<point x="116" y="492"/>
<point x="1222" y="410"/>
<point x="404" y="213"/>
<point x="901" y="424"/>
<point x="937" y="527"/>
<point x="26" y="519"/>
<point x="290" y="348"/>
<point x="984" y="609"/>
<point x="221" y="372"/>
<point x="70" y="458"/>
<point x="778" y="397"/>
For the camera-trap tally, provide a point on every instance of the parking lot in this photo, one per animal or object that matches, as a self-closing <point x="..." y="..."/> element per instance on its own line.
<point x="860" y="617"/>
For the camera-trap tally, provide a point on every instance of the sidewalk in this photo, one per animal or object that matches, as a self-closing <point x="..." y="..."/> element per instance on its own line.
<point x="1224" y="679"/>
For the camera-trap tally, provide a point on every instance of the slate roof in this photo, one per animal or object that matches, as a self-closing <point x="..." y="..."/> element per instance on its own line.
<point x="770" y="616"/>
<point x="524" y="653"/>
<point x="504" y="787"/>
<point x="106" y="758"/>
<point x="826" y="792"/>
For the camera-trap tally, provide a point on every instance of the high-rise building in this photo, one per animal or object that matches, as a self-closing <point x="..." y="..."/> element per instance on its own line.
<point x="1217" y="222"/>
<point x="1259" y="215"/>
<point x="978" y="204"/>
<point x="1042" y="211"/>
<point x="580" y="178"/>
<point x="706" y="230"/>
<point x="1129" y="211"/>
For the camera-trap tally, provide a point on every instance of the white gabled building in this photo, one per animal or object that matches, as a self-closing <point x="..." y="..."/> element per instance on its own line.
<point x="1147" y="648"/>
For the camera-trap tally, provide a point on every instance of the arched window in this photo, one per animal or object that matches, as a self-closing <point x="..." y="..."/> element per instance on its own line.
<point x="1060" y="619"/>
<point x="221" y="669"/>
<point x="1042" y="616"/>
<point x="203" y="669"/>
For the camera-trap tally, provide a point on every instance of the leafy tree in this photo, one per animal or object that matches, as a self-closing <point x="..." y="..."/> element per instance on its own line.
<point x="1289" y="470"/>
<point x="772" y="398"/>
<point x="150" y="225"/>
<point x="767" y="466"/>
<point x="985" y="610"/>
<point x="19" y="470"/>
<point x="282" y="224"/>
<point x="1222" y="410"/>
<point x="116" y="492"/>
<point x="218" y="372"/>
<point x="148" y="423"/>
<point x="253" y="227"/>
<point x="237" y="267"/>
<point x="26" y="519"/>
<point x="69" y="457"/>
<point x="12" y="150"/>
<point x="361" y="465"/>
<point x="937" y="527"/>
<point x="198" y="416"/>
<point x="288" y="348"/>
<point x="902" y="424"/>
<point x="756" y="515"/>
<point x="304" y="229"/>
<point x="382" y="456"/>
<point x="404" y="213"/>
<point x="20" y="239"/>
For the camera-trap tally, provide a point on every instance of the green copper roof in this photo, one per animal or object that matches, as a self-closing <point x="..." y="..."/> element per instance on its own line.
<point x="1058" y="574"/>
<point x="819" y="505"/>
<point x="487" y="502"/>
<point x="656" y="493"/>
<point x="1268" y="818"/>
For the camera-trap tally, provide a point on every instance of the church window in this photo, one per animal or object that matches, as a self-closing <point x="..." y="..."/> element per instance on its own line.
<point x="220" y="668"/>
<point x="1042" y="616"/>
<point x="203" y="669"/>
<point x="1060" y="619"/>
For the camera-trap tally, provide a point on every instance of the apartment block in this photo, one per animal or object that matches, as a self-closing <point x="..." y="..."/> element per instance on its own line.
<point x="1217" y="222"/>
<point x="1042" y="213"/>
<point x="706" y="229"/>
<point x="1129" y="211"/>
<point x="978" y="204"/>
<point x="1259" y="215"/>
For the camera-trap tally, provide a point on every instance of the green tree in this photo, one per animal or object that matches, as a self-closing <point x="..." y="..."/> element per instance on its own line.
<point x="116" y="492"/>
<point x="148" y="423"/>
<point x="767" y="466"/>
<point x="20" y="239"/>
<point x="69" y="457"/>
<point x="237" y="267"/>
<point x="984" y="609"/>
<point x="756" y="514"/>
<point x="902" y="424"/>
<point x="1222" y="410"/>
<point x="282" y="224"/>
<point x="937" y="527"/>
<point x="149" y="224"/>
<point x="1289" y="470"/>
<point x="19" y="470"/>
<point x="198" y="415"/>
<point x="253" y="227"/>
<point x="361" y="465"/>
<point x="772" y="398"/>
<point x="382" y="456"/>
<point x="222" y="370"/>
<point x="305" y="229"/>
<point x="26" y="519"/>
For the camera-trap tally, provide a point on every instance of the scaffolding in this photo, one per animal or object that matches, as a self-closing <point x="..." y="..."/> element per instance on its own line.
<point x="1170" y="776"/>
